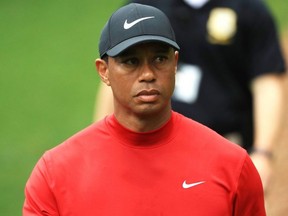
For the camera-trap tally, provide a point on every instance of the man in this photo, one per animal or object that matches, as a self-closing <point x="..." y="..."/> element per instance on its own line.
<point x="230" y="72"/>
<point x="144" y="159"/>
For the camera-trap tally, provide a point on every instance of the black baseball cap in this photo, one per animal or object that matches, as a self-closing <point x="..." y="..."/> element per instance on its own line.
<point x="133" y="24"/>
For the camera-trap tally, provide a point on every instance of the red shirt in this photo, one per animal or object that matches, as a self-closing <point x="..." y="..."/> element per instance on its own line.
<point x="183" y="168"/>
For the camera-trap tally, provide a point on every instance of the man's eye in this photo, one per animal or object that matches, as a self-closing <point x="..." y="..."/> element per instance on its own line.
<point x="160" y="59"/>
<point x="131" y="61"/>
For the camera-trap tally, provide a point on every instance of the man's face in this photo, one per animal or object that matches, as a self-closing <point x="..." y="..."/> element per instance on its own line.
<point x="142" y="78"/>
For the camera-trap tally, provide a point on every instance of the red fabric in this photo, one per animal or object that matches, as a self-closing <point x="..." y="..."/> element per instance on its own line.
<point x="109" y="170"/>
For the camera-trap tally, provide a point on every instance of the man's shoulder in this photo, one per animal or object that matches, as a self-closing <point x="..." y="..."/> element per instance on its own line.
<point x="207" y="138"/>
<point x="189" y="125"/>
<point x="83" y="139"/>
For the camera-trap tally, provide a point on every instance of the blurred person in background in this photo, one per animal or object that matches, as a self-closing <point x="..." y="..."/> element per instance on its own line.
<point x="230" y="72"/>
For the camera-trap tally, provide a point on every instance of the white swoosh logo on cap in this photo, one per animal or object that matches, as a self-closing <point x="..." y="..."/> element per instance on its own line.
<point x="129" y="25"/>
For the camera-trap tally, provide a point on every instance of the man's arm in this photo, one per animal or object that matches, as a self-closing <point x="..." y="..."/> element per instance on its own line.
<point x="268" y="102"/>
<point x="103" y="103"/>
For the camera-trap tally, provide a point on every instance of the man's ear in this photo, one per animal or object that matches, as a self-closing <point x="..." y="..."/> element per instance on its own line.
<point x="102" y="68"/>
<point x="176" y="60"/>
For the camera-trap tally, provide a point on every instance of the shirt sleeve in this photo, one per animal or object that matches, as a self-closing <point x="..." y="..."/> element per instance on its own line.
<point x="262" y="40"/>
<point x="39" y="199"/>
<point x="249" y="198"/>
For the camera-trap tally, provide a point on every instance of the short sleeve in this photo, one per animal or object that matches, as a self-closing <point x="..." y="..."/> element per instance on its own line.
<point x="39" y="199"/>
<point x="262" y="40"/>
<point x="249" y="198"/>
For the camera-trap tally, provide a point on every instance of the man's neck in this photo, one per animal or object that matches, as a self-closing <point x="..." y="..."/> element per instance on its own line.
<point x="143" y="123"/>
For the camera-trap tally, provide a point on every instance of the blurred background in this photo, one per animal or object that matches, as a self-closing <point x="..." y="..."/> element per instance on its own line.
<point x="48" y="84"/>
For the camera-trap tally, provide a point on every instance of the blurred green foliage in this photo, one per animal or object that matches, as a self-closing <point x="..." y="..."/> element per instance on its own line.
<point x="279" y="9"/>
<point x="48" y="80"/>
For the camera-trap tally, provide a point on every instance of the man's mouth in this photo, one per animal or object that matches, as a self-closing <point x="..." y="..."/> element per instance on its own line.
<point x="148" y="95"/>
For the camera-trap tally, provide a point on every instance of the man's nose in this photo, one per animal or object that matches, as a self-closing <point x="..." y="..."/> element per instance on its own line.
<point x="147" y="73"/>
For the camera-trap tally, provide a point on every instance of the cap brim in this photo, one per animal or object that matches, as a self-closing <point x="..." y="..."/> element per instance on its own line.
<point x="116" y="50"/>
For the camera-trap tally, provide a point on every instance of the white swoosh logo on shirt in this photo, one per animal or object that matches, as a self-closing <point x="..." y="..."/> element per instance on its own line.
<point x="129" y="25"/>
<point x="185" y="185"/>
